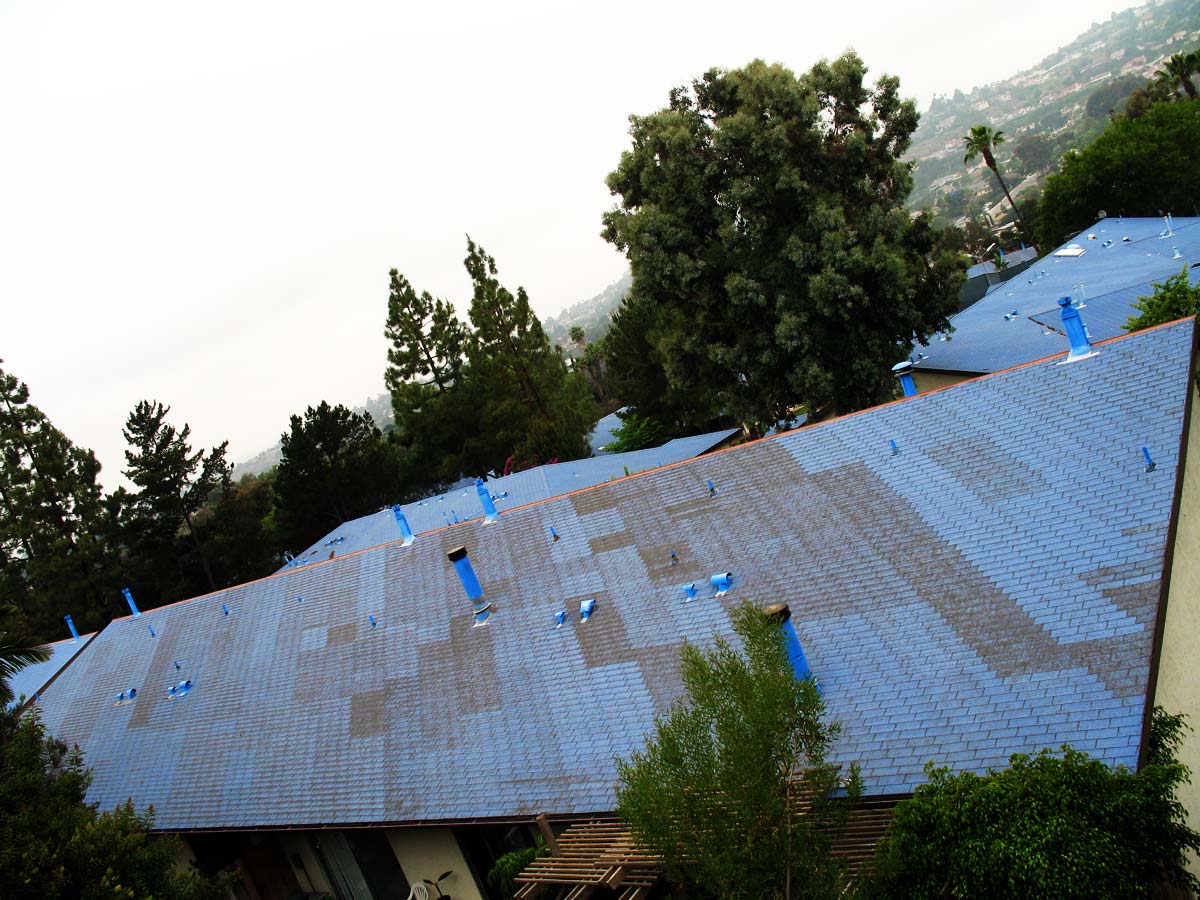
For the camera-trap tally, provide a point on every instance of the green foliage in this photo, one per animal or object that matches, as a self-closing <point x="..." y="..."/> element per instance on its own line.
<point x="172" y="484"/>
<point x="436" y="883"/>
<point x="637" y="432"/>
<point x="710" y="793"/>
<point x="483" y="398"/>
<point x="983" y="141"/>
<point x="502" y="875"/>
<point x="773" y="263"/>
<point x="17" y="650"/>
<point x="1177" y="73"/>
<point x="1142" y="166"/>
<point x="1175" y="298"/>
<point x="54" y="846"/>
<point x="1053" y="825"/>
<point x="55" y="552"/>
<point x="336" y="466"/>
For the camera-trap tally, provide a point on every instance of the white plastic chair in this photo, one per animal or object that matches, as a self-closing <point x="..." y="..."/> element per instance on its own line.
<point x="418" y="892"/>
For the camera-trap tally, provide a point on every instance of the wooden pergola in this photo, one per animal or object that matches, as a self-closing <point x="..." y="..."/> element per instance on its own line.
<point x="601" y="853"/>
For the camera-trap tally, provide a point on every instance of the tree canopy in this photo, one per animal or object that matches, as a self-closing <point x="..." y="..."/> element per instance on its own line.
<point x="773" y="262"/>
<point x="1143" y="166"/>
<point x="1175" y="298"/>
<point x="492" y="395"/>
<point x="714" y="792"/>
<point x="1059" y="825"/>
<point x="56" y="846"/>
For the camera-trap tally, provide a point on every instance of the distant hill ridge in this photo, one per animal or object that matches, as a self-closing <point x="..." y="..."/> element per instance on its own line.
<point x="1050" y="99"/>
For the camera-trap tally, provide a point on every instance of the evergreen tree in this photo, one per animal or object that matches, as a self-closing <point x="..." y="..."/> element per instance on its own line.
<point x="173" y="483"/>
<point x="763" y="217"/>
<point x="53" y="520"/>
<point x="335" y="466"/>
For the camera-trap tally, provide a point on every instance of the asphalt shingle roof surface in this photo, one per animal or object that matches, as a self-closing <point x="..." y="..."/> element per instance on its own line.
<point x="29" y="680"/>
<point x="1113" y="278"/>
<point x="990" y="588"/>
<point x="520" y="488"/>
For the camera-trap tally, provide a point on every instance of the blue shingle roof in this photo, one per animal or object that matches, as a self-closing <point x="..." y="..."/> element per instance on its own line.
<point x="990" y="587"/>
<point x="462" y="504"/>
<point x="31" y="679"/>
<point x="1113" y="278"/>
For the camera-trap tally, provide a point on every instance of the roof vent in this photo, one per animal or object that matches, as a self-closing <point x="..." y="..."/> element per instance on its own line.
<point x="405" y="531"/>
<point x="129" y="599"/>
<point x="1176" y="254"/>
<point x="150" y="628"/>
<point x="225" y="609"/>
<point x="894" y="446"/>
<point x="1081" y="346"/>
<point x="903" y="371"/>
<point x="674" y="558"/>
<point x="481" y="609"/>
<point x="783" y="614"/>
<point x="721" y="582"/>
<point x="71" y="625"/>
<point x="712" y="489"/>
<point x="180" y="690"/>
<point x="1151" y="465"/>
<point x="371" y="619"/>
<point x="689" y="591"/>
<point x="586" y="608"/>
<point x="560" y="618"/>
<point x="485" y="499"/>
<point x="553" y="534"/>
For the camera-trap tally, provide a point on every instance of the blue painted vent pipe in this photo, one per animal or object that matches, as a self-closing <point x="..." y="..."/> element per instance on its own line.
<point x="466" y="573"/>
<point x="71" y="625"/>
<point x="405" y="531"/>
<point x="721" y="582"/>
<point x="485" y="499"/>
<point x="781" y="613"/>
<point x="903" y="371"/>
<point x="586" y="608"/>
<point x="560" y="618"/>
<point x="129" y="599"/>
<point x="1081" y="346"/>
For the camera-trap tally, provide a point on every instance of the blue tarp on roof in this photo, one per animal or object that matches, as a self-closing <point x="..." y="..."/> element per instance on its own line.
<point x="991" y="586"/>
<point x="510" y="491"/>
<point x="1112" y="278"/>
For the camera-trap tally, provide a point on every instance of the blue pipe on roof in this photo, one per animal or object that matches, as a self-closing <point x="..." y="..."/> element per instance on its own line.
<point x="466" y="573"/>
<point x="485" y="498"/>
<point x="405" y="530"/>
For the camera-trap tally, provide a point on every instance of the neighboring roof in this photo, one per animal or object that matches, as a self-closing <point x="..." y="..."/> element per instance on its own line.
<point x="462" y="504"/>
<point x="1113" y="278"/>
<point x="31" y="679"/>
<point x="1014" y="258"/>
<point x="990" y="587"/>
<point x="605" y="432"/>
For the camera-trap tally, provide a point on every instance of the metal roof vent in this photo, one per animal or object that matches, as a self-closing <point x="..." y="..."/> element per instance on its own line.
<point x="586" y="608"/>
<point x="903" y="371"/>
<point x="180" y="690"/>
<point x="405" y="531"/>
<point x="783" y="614"/>
<point x="560" y="618"/>
<point x="485" y="499"/>
<point x="1151" y="465"/>
<point x="689" y="592"/>
<point x="553" y="535"/>
<point x="150" y="628"/>
<point x="721" y="582"/>
<point x="129" y="599"/>
<point x="712" y="489"/>
<point x="1081" y="346"/>
<point x="480" y="608"/>
<point x="71" y="625"/>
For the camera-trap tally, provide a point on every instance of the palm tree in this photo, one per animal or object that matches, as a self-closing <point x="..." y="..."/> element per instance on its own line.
<point x="982" y="141"/>
<point x="1177" y="72"/>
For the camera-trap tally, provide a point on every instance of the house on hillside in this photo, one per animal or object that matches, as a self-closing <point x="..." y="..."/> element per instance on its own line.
<point x="1104" y="270"/>
<point x="1008" y="564"/>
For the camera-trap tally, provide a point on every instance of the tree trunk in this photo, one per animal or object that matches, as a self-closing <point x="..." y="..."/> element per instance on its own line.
<point x="1004" y="187"/>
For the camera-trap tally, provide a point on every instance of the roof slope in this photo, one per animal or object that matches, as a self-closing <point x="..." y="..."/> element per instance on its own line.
<point x="31" y="679"/>
<point x="529" y="486"/>
<point x="1113" y="278"/>
<point x="989" y="588"/>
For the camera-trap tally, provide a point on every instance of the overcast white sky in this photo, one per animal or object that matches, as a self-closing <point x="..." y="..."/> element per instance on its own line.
<point x="199" y="203"/>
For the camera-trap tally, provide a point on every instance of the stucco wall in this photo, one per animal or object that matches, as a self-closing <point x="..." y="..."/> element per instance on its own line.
<point x="427" y="853"/>
<point x="931" y="381"/>
<point x="1178" y="685"/>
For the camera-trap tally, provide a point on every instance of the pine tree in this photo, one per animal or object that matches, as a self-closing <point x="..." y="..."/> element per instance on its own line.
<point x="173" y="483"/>
<point x="54" y="535"/>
